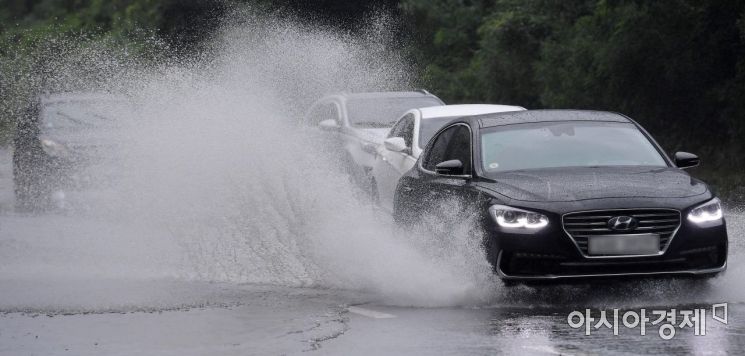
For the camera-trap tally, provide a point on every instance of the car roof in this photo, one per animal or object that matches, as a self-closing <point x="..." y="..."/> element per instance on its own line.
<point x="383" y="94"/>
<point x="530" y="116"/>
<point x="465" y="110"/>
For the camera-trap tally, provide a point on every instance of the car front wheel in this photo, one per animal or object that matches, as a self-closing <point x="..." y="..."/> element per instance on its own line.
<point x="30" y="193"/>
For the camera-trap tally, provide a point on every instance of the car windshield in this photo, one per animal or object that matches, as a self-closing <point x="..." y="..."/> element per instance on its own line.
<point x="81" y="114"/>
<point x="566" y="144"/>
<point x="383" y="112"/>
<point x="428" y="128"/>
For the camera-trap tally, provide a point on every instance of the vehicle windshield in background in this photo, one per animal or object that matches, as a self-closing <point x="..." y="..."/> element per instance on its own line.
<point x="81" y="114"/>
<point x="566" y="144"/>
<point x="383" y="112"/>
<point x="428" y="128"/>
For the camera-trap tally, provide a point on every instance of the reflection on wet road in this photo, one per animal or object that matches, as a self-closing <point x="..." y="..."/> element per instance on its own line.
<point x="521" y="330"/>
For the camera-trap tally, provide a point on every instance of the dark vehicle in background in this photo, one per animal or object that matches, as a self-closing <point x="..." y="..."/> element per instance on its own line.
<point x="564" y="194"/>
<point x="355" y="124"/>
<point x="56" y="139"/>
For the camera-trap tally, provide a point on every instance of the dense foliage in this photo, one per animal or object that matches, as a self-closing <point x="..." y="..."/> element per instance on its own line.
<point x="677" y="66"/>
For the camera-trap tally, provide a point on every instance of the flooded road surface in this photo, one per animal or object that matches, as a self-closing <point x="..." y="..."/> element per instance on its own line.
<point x="279" y="321"/>
<point x="95" y="286"/>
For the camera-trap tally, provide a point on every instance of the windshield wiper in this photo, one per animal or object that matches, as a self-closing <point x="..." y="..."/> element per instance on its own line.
<point x="74" y="120"/>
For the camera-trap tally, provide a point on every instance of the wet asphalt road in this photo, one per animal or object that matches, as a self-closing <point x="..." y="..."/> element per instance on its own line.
<point x="43" y="312"/>
<point x="276" y="320"/>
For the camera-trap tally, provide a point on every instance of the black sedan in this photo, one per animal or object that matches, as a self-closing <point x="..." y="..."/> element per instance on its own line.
<point x="567" y="193"/>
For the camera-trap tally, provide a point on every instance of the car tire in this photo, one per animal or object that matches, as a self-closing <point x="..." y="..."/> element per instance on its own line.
<point x="356" y="173"/>
<point x="491" y="250"/>
<point x="491" y="253"/>
<point x="374" y="196"/>
<point x="30" y="194"/>
<point x="23" y="187"/>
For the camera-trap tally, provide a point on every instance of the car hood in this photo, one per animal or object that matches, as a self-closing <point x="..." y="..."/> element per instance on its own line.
<point x="571" y="184"/>
<point x="374" y="135"/>
<point x="94" y="144"/>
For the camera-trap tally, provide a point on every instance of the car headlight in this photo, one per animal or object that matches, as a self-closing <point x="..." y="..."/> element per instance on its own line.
<point x="708" y="212"/>
<point x="514" y="218"/>
<point x="52" y="148"/>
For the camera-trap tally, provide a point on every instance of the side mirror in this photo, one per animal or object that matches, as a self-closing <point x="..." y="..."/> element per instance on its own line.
<point x="453" y="167"/>
<point x="395" y="144"/>
<point x="686" y="160"/>
<point x="328" y="125"/>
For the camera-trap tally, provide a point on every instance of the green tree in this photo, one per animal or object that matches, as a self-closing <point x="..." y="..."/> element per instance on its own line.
<point x="666" y="63"/>
<point x="445" y="42"/>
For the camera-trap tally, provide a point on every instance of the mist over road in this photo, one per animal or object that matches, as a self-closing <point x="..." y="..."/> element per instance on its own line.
<point x="69" y="286"/>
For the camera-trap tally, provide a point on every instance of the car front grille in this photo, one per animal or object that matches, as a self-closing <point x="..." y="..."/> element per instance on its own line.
<point x="581" y="225"/>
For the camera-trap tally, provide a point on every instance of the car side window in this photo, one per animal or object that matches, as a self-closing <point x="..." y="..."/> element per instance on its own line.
<point x="407" y="131"/>
<point x="436" y="152"/>
<point x="397" y="128"/>
<point x="459" y="147"/>
<point x="404" y="128"/>
<point x="453" y="143"/>
<point x="322" y="112"/>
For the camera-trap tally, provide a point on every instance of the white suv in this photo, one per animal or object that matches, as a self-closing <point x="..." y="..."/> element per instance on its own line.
<point x="406" y="139"/>
<point x="355" y="124"/>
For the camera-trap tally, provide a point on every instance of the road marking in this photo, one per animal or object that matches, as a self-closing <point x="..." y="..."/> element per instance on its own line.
<point x="370" y="313"/>
<point x="543" y="348"/>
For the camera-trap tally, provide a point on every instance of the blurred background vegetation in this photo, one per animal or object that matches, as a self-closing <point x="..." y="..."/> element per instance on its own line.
<point x="676" y="66"/>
